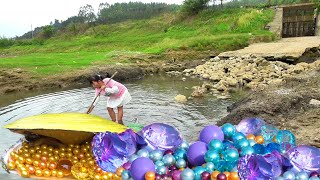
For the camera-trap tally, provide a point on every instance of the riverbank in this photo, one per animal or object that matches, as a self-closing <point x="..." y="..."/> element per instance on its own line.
<point x="18" y="80"/>
<point x="293" y="105"/>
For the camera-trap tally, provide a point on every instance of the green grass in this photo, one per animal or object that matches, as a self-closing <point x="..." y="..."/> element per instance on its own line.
<point x="218" y="30"/>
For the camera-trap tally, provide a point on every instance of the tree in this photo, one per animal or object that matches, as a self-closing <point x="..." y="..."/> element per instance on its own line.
<point x="192" y="7"/>
<point x="86" y="14"/>
<point x="48" y="31"/>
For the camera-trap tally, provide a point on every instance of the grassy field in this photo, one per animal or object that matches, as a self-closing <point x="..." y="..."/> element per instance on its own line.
<point x="218" y="31"/>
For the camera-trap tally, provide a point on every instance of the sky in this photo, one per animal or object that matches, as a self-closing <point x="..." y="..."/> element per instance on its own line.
<point x="19" y="16"/>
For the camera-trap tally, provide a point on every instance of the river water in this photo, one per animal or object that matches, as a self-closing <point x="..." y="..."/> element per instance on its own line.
<point x="152" y="101"/>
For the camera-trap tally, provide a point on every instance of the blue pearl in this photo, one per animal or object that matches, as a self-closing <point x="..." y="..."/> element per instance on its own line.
<point x="247" y="151"/>
<point x="231" y="155"/>
<point x="314" y="178"/>
<point x="198" y="171"/>
<point x="228" y="130"/>
<point x="237" y="136"/>
<point x="184" y="145"/>
<point x="161" y="170"/>
<point x="125" y="175"/>
<point x="143" y="153"/>
<point x="181" y="163"/>
<point x="180" y="154"/>
<point x="268" y="132"/>
<point x="187" y="174"/>
<point x="212" y="156"/>
<point x="133" y="157"/>
<point x="242" y="143"/>
<point x="258" y="149"/>
<point x="227" y="144"/>
<point x="159" y="163"/>
<point x="289" y="175"/>
<point x="252" y="142"/>
<point x="168" y="160"/>
<point x="210" y="167"/>
<point x="272" y="147"/>
<point x="215" y="144"/>
<point x="302" y="176"/>
<point x="156" y="155"/>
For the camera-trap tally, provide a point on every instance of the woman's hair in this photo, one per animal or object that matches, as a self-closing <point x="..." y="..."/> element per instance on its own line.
<point x="97" y="78"/>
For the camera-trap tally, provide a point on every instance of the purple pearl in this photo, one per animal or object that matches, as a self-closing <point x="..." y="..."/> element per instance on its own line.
<point x="176" y="175"/>
<point x="221" y="176"/>
<point x="314" y="174"/>
<point x="168" y="152"/>
<point x="205" y="176"/>
<point x="172" y="168"/>
<point x="126" y="165"/>
<point x="158" y="176"/>
<point x="165" y="176"/>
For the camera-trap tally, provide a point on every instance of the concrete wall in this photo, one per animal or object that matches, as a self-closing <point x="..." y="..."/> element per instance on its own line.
<point x="276" y="25"/>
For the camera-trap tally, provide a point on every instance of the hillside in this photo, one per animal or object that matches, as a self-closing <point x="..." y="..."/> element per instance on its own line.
<point x="210" y="30"/>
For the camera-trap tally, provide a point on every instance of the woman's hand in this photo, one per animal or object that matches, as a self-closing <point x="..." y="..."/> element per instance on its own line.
<point x="103" y="87"/>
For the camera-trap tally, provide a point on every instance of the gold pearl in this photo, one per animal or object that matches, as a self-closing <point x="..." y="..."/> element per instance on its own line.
<point x="36" y="163"/>
<point x="21" y="159"/>
<point x="76" y="151"/>
<point x="25" y="174"/>
<point x="29" y="161"/>
<point x="54" y="172"/>
<point x="62" y="155"/>
<point x="38" y="172"/>
<point x="46" y="173"/>
<point x="37" y="147"/>
<point x="56" y="151"/>
<point x="37" y="156"/>
<point x="69" y="155"/>
<point x="50" y="149"/>
<point x="44" y="153"/>
<point x="44" y="146"/>
<point x="11" y="165"/>
<point x="71" y="145"/>
<point x="32" y="151"/>
<point x="97" y="177"/>
<point x="60" y="174"/>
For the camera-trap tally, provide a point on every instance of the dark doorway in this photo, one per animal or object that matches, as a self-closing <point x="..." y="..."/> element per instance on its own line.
<point x="298" y="20"/>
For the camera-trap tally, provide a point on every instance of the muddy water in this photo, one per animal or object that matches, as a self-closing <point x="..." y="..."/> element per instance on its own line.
<point x="152" y="101"/>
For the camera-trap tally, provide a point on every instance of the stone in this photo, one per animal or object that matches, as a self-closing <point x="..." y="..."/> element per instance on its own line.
<point x="181" y="98"/>
<point x="314" y="102"/>
<point x="298" y="69"/>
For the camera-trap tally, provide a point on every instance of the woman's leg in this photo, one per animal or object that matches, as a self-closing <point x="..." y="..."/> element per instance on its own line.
<point x="112" y="114"/>
<point x="120" y="115"/>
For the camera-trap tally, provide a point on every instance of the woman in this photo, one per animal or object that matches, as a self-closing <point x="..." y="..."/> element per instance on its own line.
<point x="116" y="93"/>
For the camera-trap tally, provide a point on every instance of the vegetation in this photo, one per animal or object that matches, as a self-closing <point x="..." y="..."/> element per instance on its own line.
<point x="62" y="47"/>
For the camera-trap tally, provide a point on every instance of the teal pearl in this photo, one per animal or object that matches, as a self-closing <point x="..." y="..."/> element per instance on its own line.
<point x="125" y="175"/>
<point x="247" y="151"/>
<point x="215" y="144"/>
<point x="143" y="153"/>
<point x="231" y="155"/>
<point x="198" y="171"/>
<point x="212" y="156"/>
<point x="161" y="170"/>
<point x="242" y="143"/>
<point x="289" y="175"/>
<point x="228" y="130"/>
<point x="159" y="163"/>
<point x="181" y="163"/>
<point x="210" y="167"/>
<point x="156" y="155"/>
<point x="184" y="145"/>
<point x="168" y="160"/>
<point x="133" y="157"/>
<point x="180" y="154"/>
<point x="187" y="174"/>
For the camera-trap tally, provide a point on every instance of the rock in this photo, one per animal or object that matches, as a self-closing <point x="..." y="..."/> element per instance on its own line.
<point x="215" y="77"/>
<point x="314" y="102"/>
<point x="275" y="82"/>
<point x="189" y="71"/>
<point x="222" y="97"/>
<point x="231" y="81"/>
<point x="298" y="68"/>
<point x="206" y="76"/>
<point x="198" y="92"/>
<point x="207" y="86"/>
<point x="247" y="77"/>
<point x="184" y="79"/>
<point x="221" y="87"/>
<point x="252" y="85"/>
<point x="181" y="98"/>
